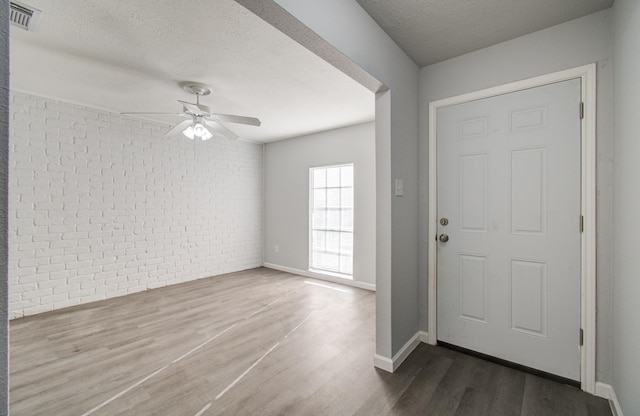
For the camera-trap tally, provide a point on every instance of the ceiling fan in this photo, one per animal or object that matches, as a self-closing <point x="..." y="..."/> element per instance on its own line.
<point x="202" y="123"/>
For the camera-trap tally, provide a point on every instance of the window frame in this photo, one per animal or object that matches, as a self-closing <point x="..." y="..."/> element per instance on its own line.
<point x="312" y="211"/>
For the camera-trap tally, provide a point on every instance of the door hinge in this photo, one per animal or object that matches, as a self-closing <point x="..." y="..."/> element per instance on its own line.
<point x="581" y="337"/>
<point x="581" y="110"/>
<point x="581" y="223"/>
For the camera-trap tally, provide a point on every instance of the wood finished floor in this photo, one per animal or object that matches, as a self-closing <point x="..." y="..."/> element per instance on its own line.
<point x="258" y="342"/>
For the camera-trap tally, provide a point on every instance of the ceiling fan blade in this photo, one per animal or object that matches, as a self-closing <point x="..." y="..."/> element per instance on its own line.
<point x="179" y="127"/>
<point x="198" y="109"/>
<point x="151" y="114"/>
<point x="220" y="129"/>
<point x="230" y="118"/>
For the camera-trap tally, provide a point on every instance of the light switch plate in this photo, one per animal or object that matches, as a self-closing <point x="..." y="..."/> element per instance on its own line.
<point x="399" y="187"/>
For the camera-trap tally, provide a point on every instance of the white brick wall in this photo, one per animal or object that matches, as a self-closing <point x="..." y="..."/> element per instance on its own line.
<point x="102" y="205"/>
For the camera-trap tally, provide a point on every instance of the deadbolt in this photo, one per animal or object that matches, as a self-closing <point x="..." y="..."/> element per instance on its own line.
<point x="444" y="238"/>
<point x="444" y="221"/>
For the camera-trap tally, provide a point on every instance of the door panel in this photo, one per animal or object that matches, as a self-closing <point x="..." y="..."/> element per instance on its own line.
<point x="473" y="278"/>
<point x="529" y="297"/>
<point x="528" y="191"/>
<point x="473" y="196"/>
<point x="509" y="184"/>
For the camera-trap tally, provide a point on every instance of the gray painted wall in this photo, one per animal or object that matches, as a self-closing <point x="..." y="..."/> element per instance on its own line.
<point x="286" y="182"/>
<point x="579" y="42"/>
<point x="4" y="168"/>
<point x="350" y="30"/>
<point x="626" y="228"/>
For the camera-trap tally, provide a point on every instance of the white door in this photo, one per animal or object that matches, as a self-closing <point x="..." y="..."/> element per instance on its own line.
<point x="509" y="186"/>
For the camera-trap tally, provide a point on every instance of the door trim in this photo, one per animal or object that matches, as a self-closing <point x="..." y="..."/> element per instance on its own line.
<point x="587" y="76"/>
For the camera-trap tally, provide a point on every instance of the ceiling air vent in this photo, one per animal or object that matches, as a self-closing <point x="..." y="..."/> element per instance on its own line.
<point x="25" y="17"/>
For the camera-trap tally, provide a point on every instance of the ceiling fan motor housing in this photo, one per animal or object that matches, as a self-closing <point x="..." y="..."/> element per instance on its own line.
<point x="196" y="88"/>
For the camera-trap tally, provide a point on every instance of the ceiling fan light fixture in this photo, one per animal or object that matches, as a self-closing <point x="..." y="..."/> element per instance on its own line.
<point x="189" y="132"/>
<point x="206" y="135"/>
<point x="197" y="130"/>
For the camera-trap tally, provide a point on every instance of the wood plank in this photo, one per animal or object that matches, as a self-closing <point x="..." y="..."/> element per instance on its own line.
<point x="320" y="342"/>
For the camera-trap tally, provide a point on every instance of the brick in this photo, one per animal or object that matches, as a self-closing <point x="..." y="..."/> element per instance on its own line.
<point x="37" y="309"/>
<point x="78" y="235"/>
<point x="67" y="288"/>
<point x="90" y="256"/>
<point x="29" y="287"/>
<point x="24" y="253"/>
<point x="64" y="244"/>
<point x="63" y="259"/>
<point x="51" y="299"/>
<point x="63" y="274"/>
<point x="50" y="268"/>
<point x="93" y="298"/>
<point x="90" y="284"/>
<point x="89" y="271"/>
<point x="106" y="289"/>
<point x="77" y="265"/>
<point x="46" y="284"/>
<point x="80" y="249"/>
<point x="34" y="294"/>
<point x="59" y="108"/>
<point x="32" y="262"/>
<point x="66" y="303"/>
<point x="81" y="293"/>
<point x="116" y="280"/>
<point x="105" y="275"/>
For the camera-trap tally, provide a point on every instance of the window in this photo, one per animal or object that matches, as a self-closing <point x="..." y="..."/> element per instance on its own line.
<point x="332" y="219"/>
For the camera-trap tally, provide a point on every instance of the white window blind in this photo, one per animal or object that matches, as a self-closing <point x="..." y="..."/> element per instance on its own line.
<point x="332" y="219"/>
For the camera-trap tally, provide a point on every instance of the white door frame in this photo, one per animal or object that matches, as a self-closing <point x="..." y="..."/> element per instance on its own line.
<point x="587" y="76"/>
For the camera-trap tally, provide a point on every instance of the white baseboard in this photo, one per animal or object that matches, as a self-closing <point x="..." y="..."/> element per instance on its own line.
<point x="383" y="363"/>
<point x="606" y="391"/>
<point x="319" y="276"/>
<point x="391" y="364"/>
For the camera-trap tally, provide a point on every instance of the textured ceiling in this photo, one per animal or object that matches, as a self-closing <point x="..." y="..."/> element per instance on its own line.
<point x="430" y="31"/>
<point x="127" y="56"/>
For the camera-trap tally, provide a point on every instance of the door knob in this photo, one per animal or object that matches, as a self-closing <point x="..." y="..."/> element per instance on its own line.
<point x="443" y="238"/>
